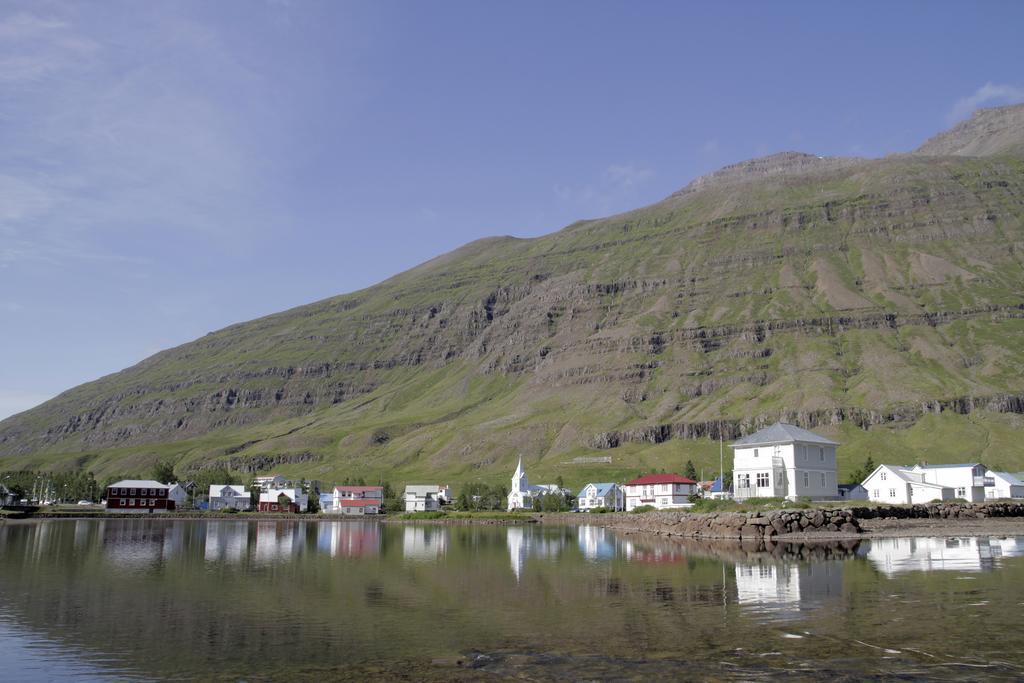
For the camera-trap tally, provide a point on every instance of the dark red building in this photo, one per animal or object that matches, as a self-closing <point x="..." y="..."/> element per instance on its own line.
<point x="143" y="495"/>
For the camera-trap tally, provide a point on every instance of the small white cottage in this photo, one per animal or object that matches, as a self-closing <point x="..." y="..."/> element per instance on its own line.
<point x="609" y="496"/>
<point x="784" y="461"/>
<point x="1004" y="485"/>
<point x="902" y="485"/>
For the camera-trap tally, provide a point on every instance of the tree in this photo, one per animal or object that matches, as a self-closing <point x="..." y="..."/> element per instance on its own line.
<point x="690" y="470"/>
<point x="560" y="482"/>
<point x="163" y="472"/>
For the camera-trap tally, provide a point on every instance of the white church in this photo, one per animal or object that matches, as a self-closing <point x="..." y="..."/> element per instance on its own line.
<point x="522" y="493"/>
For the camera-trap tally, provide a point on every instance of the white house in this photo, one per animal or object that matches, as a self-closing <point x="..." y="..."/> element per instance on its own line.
<point x="783" y="461"/>
<point x="270" y="481"/>
<point x="607" y="495"/>
<point x="522" y="493"/>
<point x="225" y="496"/>
<point x="663" y="491"/>
<point x="893" y="556"/>
<point x="967" y="480"/>
<point x="426" y="497"/>
<point x="1004" y="485"/>
<point x="357" y="500"/>
<point x="902" y="485"/>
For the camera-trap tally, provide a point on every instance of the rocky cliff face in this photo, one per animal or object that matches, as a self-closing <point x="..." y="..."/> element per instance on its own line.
<point x="825" y="291"/>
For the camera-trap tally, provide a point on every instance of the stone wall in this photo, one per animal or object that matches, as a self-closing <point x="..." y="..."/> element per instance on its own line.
<point x="761" y="525"/>
<point x="942" y="511"/>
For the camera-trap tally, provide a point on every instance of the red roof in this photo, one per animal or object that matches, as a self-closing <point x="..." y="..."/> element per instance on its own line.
<point x="359" y="489"/>
<point x="660" y="479"/>
<point x="358" y="502"/>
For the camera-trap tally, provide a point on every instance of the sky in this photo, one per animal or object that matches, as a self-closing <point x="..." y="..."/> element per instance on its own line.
<point x="170" y="168"/>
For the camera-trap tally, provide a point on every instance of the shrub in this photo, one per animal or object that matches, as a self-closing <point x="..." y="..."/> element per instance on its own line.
<point x="644" y="508"/>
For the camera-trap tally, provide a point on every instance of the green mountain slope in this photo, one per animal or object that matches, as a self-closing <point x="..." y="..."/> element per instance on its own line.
<point x="880" y="301"/>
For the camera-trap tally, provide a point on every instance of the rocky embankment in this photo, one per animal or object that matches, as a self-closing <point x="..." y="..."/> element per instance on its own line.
<point x="768" y="525"/>
<point x="761" y="525"/>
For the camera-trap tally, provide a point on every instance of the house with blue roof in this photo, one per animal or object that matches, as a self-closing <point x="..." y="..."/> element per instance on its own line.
<point x="601" y="495"/>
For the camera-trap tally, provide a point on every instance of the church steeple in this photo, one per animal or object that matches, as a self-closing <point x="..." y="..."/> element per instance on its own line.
<point x="519" y="480"/>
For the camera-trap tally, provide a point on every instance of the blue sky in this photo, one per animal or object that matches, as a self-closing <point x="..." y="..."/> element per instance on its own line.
<point x="167" y="169"/>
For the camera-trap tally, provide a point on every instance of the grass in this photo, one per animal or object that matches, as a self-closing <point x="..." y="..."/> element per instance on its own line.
<point x="459" y="399"/>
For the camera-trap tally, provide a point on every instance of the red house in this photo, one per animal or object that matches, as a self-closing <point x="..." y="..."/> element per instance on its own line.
<point x="144" y="495"/>
<point x="283" y="500"/>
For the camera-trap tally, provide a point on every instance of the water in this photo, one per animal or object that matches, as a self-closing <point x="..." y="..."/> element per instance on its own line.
<point x="227" y="600"/>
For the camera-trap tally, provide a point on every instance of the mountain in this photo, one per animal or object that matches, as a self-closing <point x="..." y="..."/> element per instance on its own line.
<point x="880" y="301"/>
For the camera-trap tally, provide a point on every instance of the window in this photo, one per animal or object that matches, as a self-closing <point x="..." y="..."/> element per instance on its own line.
<point x="874" y="494"/>
<point x="131" y="502"/>
<point x="152" y="502"/>
<point x="892" y="493"/>
<point x="803" y="453"/>
<point x="821" y="454"/>
<point x="822" y="480"/>
<point x="755" y="452"/>
<point x="882" y="476"/>
<point x="763" y="479"/>
<point x="961" y="493"/>
<point x="807" y="480"/>
<point x="743" y="481"/>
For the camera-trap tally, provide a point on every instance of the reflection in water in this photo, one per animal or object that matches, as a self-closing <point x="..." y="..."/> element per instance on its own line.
<point x="278" y="541"/>
<point x="291" y="599"/>
<point x="137" y="544"/>
<point x="226" y="542"/>
<point x="425" y="543"/>
<point x="893" y="556"/>
<point x="783" y="589"/>
<point x="524" y="542"/>
<point x="349" y="539"/>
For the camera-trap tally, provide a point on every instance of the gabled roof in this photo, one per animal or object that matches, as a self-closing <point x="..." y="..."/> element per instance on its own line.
<point x="782" y="433"/>
<point x="139" y="484"/>
<point x="358" y="502"/>
<point x="1008" y="478"/>
<point x="217" y="490"/>
<point x="421" y="490"/>
<point x="660" y="479"/>
<point x="946" y="467"/>
<point x="603" y="489"/>
<point x="904" y="474"/>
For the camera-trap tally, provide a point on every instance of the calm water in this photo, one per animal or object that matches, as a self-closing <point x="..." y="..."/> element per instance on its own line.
<point x="224" y="600"/>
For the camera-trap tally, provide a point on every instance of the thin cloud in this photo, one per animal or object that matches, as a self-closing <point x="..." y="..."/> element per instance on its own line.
<point x="987" y="95"/>
<point x="627" y="176"/>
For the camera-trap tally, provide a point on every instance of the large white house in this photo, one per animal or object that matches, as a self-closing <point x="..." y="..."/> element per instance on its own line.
<point x="902" y="485"/>
<point x="1004" y="485"/>
<point x="606" y="495"/>
<point x="522" y="493"/>
<point x="926" y="483"/>
<point x="663" y="491"/>
<point x="356" y="500"/>
<point x="225" y="496"/>
<point x="426" y="497"/>
<point x="783" y="461"/>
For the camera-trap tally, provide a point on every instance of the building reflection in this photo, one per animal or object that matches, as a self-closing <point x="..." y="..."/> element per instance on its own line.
<point x="524" y="542"/>
<point x="893" y="556"/>
<point x="425" y="543"/>
<point x="226" y="541"/>
<point x="137" y="544"/>
<point x="598" y="543"/>
<point x="349" y="539"/>
<point x="783" y="589"/>
<point x="278" y="541"/>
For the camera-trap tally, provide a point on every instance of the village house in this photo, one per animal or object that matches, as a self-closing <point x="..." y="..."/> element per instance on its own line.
<point x="270" y="481"/>
<point x="522" y="493"/>
<point x="605" y="495"/>
<point x="901" y="485"/>
<point x="284" y="500"/>
<point x="663" y="491"/>
<point x="1004" y="485"/>
<point x="925" y="483"/>
<point x="357" y="500"/>
<point x="229" y="497"/>
<point x="426" y="497"/>
<point x="144" y="495"/>
<point x="784" y="461"/>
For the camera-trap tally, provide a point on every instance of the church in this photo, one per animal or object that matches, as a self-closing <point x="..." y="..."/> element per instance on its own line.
<point x="522" y="493"/>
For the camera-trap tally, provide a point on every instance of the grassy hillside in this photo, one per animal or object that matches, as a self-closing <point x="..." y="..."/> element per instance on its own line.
<point x="877" y="301"/>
